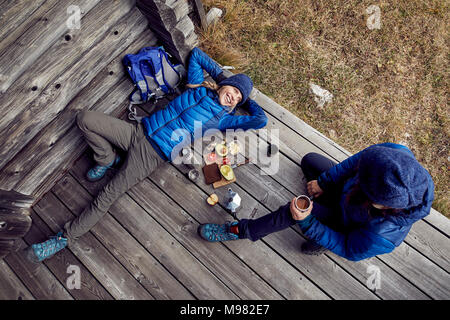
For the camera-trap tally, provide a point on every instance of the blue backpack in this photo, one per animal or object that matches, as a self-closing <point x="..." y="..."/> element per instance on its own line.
<point x="153" y="75"/>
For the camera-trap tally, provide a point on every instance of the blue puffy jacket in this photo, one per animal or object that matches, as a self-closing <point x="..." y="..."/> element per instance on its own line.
<point x="174" y="125"/>
<point x="376" y="235"/>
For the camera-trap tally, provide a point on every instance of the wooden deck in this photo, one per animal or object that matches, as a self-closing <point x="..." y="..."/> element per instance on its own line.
<point x="147" y="246"/>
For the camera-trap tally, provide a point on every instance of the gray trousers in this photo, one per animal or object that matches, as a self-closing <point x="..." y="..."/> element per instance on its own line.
<point x="102" y="132"/>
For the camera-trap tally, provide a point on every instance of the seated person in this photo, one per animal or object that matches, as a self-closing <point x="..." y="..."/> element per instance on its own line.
<point x="364" y="206"/>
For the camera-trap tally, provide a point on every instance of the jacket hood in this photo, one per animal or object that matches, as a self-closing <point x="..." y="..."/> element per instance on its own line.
<point x="394" y="178"/>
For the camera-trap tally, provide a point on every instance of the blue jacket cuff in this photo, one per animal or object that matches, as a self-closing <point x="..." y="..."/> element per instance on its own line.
<point x="306" y="223"/>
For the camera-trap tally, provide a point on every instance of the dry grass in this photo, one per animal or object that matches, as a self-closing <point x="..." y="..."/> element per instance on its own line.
<point x="389" y="84"/>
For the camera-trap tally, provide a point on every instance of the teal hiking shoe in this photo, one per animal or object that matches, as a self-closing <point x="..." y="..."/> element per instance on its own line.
<point x="45" y="250"/>
<point x="217" y="232"/>
<point x="98" y="171"/>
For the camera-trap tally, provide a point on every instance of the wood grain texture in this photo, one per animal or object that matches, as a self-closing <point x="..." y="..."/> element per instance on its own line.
<point x="55" y="147"/>
<point x="14" y="13"/>
<point x="59" y="57"/>
<point x="289" y="180"/>
<point x="55" y="98"/>
<point x="38" y="16"/>
<point x="36" y="276"/>
<point x="242" y="280"/>
<point x="119" y="283"/>
<point x="263" y="260"/>
<point x="272" y="194"/>
<point x="321" y="270"/>
<point x="171" y="253"/>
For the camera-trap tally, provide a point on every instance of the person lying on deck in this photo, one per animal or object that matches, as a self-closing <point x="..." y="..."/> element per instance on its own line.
<point x="364" y="206"/>
<point x="150" y="144"/>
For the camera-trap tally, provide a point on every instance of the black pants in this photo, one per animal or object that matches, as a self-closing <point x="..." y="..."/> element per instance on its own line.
<point x="325" y="207"/>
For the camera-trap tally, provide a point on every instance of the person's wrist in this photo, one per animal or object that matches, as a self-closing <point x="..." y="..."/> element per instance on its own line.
<point x="306" y="222"/>
<point x="304" y="216"/>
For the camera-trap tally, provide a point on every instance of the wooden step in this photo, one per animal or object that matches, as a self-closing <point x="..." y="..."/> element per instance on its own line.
<point x="66" y="86"/>
<point x="30" y="45"/>
<point x="13" y="14"/>
<point x="52" y="151"/>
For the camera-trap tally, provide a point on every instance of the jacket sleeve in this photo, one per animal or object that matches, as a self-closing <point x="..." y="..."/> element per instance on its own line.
<point x="356" y="245"/>
<point x="339" y="173"/>
<point x="347" y="168"/>
<point x="255" y="120"/>
<point x="199" y="61"/>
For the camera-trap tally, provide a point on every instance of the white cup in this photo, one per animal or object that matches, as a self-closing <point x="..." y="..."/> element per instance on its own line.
<point x="308" y="201"/>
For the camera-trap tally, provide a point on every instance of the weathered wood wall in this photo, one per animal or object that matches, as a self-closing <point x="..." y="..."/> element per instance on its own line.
<point x="63" y="71"/>
<point x="171" y="22"/>
<point x="15" y="219"/>
<point x="74" y="71"/>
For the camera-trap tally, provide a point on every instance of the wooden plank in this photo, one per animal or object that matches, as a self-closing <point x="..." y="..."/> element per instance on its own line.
<point x="293" y="179"/>
<point x="55" y="98"/>
<point x="289" y="180"/>
<point x="223" y="263"/>
<point x="434" y="254"/>
<point x="11" y="288"/>
<point x="194" y="275"/>
<point x="41" y="74"/>
<point x="14" y="225"/>
<point x="13" y="199"/>
<point x="14" y="13"/>
<point x="92" y="254"/>
<point x="14" y="219"/>
<point x="144" y="267"/>
<point x="198" y="5"/>
<point x="423" y="246"/>
<point x="165" y="247"/>
<point x="38" y="16"/>
<point x="299" y="126"/>
<point x="431" y="243"/>
<point x="56" y="146"/>
<point x="59" y="57"/>
<point x="258" y="256"/>
<point x="90" y="288"/>
<point x="291" y="290"/>
<point x="36" y="276"/>
<point x="289" y="140"/>
<point x="17" y="57"/>
<point x="394" y="284"/>
<point x="421" y="271"/>
<point x="163" y="14"/>
<point x="439" y="221"/>
<point x="242" y="280"/>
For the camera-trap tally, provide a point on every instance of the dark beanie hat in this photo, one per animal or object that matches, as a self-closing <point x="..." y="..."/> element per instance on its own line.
<point x="242" y="82"/>
<point x="392" y="177"/>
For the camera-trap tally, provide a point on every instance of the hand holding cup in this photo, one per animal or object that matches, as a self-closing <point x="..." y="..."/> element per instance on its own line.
<point x="314" y="190"/>
<point x="301" y="207"/>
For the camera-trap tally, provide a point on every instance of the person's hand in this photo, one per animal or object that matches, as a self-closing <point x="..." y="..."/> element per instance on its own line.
<point x="297" y="214"/>
<point x="314" y="189"/>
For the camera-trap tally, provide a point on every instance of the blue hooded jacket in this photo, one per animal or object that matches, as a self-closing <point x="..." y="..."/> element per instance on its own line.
<point x="408" y="185"/>
<point x="173" y="126"/>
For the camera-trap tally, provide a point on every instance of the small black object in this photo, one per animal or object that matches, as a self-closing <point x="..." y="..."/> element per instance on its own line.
<point x="271" y="150"/>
